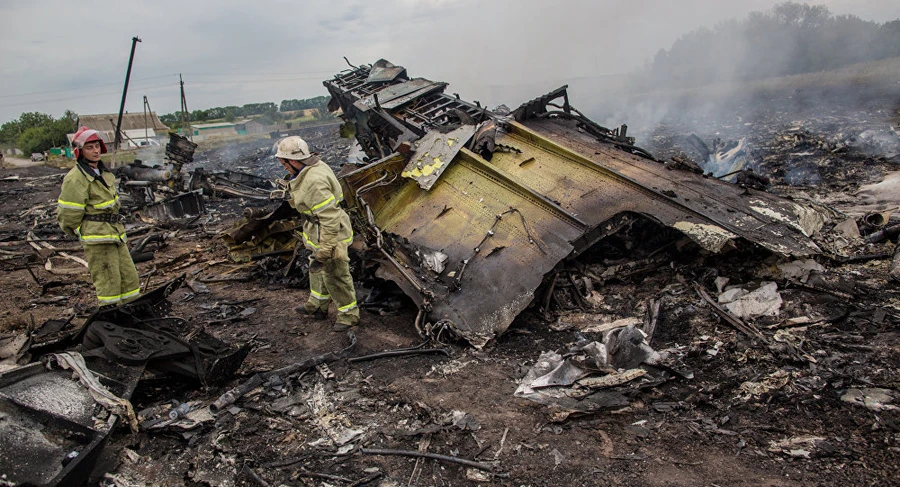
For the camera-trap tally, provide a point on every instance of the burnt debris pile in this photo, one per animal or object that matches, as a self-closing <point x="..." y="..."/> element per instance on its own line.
<point x="543" y="299"/>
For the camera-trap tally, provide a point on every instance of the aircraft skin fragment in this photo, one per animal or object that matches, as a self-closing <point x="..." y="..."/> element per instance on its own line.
<point x="502" y="199"/>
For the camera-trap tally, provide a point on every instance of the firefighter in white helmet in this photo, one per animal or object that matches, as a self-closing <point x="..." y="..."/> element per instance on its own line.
<point x="316" y="194"/>
<point x="89" y="209"/>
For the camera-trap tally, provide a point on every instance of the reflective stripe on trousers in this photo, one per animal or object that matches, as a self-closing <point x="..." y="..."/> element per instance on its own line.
<point x="112" y="271"/>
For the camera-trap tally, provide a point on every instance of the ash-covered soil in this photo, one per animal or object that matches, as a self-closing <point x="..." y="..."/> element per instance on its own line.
<point x="751" y="411"/>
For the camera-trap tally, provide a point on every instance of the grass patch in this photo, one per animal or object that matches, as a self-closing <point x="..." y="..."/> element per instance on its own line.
<point x="216" y="141"/>
<point x="299" y="120"/>
<point x="60" y="162"/>
<point x="872" y="73"/>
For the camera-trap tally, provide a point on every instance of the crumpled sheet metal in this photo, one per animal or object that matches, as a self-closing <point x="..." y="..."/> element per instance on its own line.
<point x="555" y="197"/>
<point x="100" y="393"/>
<point x="182" y="206"/>
<point x="396" y="95"/>
<point x="48" y="414"/>
<point x="433" y="154"/>
<point x="597" y="181"/>
<point x="551" y="193"/>
<point x="384" y="71"/>
<point x="498" y="282"/>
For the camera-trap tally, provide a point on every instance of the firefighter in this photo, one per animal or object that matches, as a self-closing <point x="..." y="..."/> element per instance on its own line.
<point x="316" y="194"/>
<point x="89" y="209"/>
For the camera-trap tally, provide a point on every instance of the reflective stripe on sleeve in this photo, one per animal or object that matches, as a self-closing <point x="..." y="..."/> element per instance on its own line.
<point x="315" y="246"/>
<point x="107" y="204"/>
<point x="311" y="244"/>
<point x="70" y="205"/>
<point x="320" y="206"/>
<point x="308" y="241"/>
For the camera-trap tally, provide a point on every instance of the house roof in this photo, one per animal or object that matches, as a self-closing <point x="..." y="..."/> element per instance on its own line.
<point x="212" y="125"/>
<point x="130" y="121"/>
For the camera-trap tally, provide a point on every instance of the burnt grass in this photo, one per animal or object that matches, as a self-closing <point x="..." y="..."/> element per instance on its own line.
<point x="697" y="431"/>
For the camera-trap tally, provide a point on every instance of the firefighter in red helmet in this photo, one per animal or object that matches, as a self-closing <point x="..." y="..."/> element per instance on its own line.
<point x="89" y="209"/>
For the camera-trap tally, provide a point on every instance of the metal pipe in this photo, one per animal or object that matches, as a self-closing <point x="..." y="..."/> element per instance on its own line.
<point x="433" y="456"/>
<point x="152" y="174"/>
<point x="255" y="213"/>
<point x="237" y="193"/>
<point x="398" y="353"/>
<point x="134" y="41"/>
<point x="233" y="395"/>
<point x="875" y="220"/>
<point x="887" y="232"/>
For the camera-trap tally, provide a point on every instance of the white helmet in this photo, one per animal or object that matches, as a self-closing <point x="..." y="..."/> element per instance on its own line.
<point x="293" y="147"/>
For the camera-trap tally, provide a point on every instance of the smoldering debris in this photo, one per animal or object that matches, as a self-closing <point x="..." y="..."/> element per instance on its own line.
<point x="116" y="348"/>
<point x="587" y="377"/>
<point x="648" y="364"/>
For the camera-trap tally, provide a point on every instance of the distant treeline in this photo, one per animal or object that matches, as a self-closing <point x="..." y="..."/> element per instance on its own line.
<point x="791" y="38"/>
<point x="37" y="132"/>
<point x="268" y="112"/>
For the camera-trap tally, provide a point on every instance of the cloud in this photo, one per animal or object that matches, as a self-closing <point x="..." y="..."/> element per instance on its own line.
<point x="59" y="55"/>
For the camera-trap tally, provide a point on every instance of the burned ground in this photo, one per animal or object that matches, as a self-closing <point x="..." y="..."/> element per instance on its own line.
<point x="736" y="410"/>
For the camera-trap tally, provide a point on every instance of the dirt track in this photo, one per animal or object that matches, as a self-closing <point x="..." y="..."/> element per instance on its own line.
<point x="12" y="162"/>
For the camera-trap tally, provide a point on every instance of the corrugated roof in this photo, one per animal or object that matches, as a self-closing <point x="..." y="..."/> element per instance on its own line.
<point x="130" y="121"/>
<point x="212" y="125"/>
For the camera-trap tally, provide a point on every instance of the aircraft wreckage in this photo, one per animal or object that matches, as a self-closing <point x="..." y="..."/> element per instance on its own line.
<point x="54" y="428"/>
<point x="468" y="209"/>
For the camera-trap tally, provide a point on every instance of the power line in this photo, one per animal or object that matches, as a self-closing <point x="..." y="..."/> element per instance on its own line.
<point x="145" y="88"/>
<point x="80" y="89"/>
<point x="75" y="97"/>
<point x="278" y="80"/>
<point x="269" y="78"/>
<point x="307" y="73"/>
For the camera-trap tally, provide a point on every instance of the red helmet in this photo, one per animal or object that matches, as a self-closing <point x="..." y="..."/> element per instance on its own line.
<point x="85" y="135"/>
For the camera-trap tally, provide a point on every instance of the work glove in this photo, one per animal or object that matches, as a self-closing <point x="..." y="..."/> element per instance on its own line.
<point x="324" y="253"/>
<point x="341" y="252"/>
<point x="283" y="192"/>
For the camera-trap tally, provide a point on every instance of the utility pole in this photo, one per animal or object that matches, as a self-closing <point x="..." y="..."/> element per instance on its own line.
<point x="185" y="114"/>
<point x="134" y="41"/>
<point x="146" y="126"/>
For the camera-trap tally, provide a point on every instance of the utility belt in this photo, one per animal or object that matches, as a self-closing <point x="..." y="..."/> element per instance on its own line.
<point x="105" y="217"/>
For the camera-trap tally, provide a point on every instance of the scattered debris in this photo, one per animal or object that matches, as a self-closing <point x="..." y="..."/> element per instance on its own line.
<point x="764" y="301"/>
<point x="646" y="366"/>
<point x="801" y="446"/>
<point x="800" y="269"/>
<point x="117" y="346"/>
<point x="872" y="398"/>
<point x="570" y="382"/>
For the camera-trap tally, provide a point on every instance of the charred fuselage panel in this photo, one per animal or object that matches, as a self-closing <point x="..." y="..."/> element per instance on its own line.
<point x="469" y="232"/>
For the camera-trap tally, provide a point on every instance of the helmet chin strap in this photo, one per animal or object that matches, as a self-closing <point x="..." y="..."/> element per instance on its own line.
<point x="297" y="170"/>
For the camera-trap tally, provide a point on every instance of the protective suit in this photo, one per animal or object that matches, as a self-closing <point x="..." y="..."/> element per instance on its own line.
<point x="316" y="194"/>
<point x="327" y="233"/>
<point x="89" y="209"/>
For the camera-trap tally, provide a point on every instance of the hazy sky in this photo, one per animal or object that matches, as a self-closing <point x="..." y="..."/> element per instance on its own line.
<point x="57" y="55"/>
